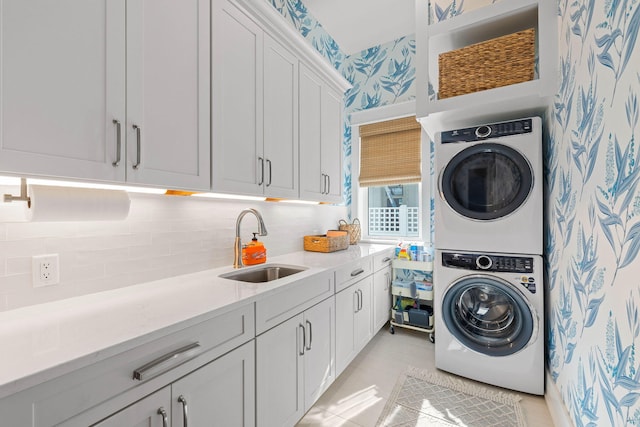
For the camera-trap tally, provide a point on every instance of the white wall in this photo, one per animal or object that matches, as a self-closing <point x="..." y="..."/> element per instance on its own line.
<point x="163" y="236"/>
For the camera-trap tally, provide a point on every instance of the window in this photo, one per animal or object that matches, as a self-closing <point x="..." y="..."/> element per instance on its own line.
<point x="393" y="211"/>
<point x="388" y="193"/>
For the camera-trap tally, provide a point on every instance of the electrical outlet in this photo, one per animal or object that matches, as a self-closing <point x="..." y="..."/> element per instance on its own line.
<point x="45" y="270"/>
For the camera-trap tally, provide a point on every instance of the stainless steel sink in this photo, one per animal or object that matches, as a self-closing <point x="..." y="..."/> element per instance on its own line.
<point x="263" y="274"/>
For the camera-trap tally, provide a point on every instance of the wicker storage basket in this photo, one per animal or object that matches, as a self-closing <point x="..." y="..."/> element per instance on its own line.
<point x="497" y="62"/>
<point x="353" y="229"/>
<point x="324" y="243"/>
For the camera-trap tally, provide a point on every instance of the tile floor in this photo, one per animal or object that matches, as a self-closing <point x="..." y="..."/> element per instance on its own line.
<point x="358" y="396"/>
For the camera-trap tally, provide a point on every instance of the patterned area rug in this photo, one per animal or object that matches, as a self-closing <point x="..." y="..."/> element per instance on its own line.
<point x="422" y="398"/>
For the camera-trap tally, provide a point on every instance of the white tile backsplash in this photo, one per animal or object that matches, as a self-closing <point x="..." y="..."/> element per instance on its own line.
<point x="163" y="236"/>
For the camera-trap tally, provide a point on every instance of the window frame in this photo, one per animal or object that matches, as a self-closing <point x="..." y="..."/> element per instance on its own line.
<point x="359" y="195"/>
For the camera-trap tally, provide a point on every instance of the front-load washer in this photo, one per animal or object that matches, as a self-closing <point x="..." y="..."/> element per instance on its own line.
<point x="490" y="188"/>
<point x="489" y="318"/>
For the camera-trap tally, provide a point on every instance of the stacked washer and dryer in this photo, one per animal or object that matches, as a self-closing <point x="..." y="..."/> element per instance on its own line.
<point x="488" y="269"/>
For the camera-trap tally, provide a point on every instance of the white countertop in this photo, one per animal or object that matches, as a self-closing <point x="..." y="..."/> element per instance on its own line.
<point x="44" y="341"/>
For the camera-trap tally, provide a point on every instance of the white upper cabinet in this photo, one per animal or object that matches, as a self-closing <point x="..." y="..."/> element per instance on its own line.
<point x="255" y="109"/>
<point x="62" y="85"/>
<point x="320" y="139"/>
<point x="495" y="20"/>
<point x="280" y="121"/>
<point x="168" y="93"/>
<point x="237" y="100"/>
<point x="277" y="125"/>
<point x="78" y="75"/>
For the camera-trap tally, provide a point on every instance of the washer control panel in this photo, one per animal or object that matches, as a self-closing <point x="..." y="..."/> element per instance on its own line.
<point x="484" y="262"/>
<point x="495" y="130"/>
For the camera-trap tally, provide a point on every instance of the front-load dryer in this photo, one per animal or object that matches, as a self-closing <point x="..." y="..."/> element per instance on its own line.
<point x="489" y="318"/>
<point x="490" y="188"/>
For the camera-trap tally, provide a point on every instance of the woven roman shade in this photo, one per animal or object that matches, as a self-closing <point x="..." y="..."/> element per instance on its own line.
<point x="390" y="153"/>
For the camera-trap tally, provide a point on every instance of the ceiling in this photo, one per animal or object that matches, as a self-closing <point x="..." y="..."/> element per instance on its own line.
<point x="360" y="24"/>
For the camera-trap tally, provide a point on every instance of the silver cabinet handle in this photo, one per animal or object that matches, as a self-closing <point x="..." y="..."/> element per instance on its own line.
<point x="166" y="362"/>
<point x="118" y="142"/>
<point x="357" y="272"/>
<point x="304" y="338"/>
<point x="356" y="301"/>
<point x="185" y="414"/>
<point x="328" y="184"/>
<point x="361" y="298"/>
<point x="261" y="160"/>
<point x="138" y="146"/>
<point x="269" y="164"/>
<point x="165" y="417"/>
<point x="386" y="260"/>
<point x="310" y="335"/>
<point x="388" y="281"/>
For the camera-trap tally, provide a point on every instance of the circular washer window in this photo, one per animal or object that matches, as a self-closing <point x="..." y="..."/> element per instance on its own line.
<point x="487" y="181"/>
<point x="487" y="315"/>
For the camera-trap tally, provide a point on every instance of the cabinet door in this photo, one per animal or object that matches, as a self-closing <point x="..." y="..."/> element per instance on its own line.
<point x="168" y="93"/>
<point x="331" y="156"/>
<point x="237" y="101"/>
<point x="353" y="321"/>
<point x="364" y="316"/>
<point x="319" y="355"/>
<point x="148" y="412"/>
<point x="280" y="120"/>
<point x="311" y="182"/>
<point x="347" y="305"/>
<point x="381" y="298"/>
<point x="221" y="393"/>
<point x="60" y="92"/>
<point x="279" y="374"/>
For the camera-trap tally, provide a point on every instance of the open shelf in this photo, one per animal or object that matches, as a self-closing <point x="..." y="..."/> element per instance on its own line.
<point x="502" y="103"/>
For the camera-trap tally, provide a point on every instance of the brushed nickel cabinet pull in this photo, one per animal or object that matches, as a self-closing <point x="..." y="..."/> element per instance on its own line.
<point x="304" y="338"/>
<point x="308" y="347"/>
<point x="357" y="272"/>
<point x="118" y="142"/>
<point x="269" y="164"/>
<point x="261" y="160"/>
<point x="166" y="362"/>
<point x="185" y="414"/>
<point x="138" y="146"/>
<point x="165" y="417"/>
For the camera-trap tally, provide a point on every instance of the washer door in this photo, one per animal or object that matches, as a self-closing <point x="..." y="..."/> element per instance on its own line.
<point x="488" y="315"/>
<point x="486" y="181"/>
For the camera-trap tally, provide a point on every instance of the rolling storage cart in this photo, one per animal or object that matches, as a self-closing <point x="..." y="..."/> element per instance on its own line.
<point x="412" y="296"/>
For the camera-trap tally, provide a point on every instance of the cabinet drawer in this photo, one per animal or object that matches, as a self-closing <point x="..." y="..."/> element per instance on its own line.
<point x="382" y="259"/>
<point x="353" y="272"/>
<point x="58" y="400"/>
<point x="285" y="304"/>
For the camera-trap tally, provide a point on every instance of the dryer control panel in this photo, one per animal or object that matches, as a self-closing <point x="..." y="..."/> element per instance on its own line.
<point x="483" y="262"/>
<point x="495" y="130"/>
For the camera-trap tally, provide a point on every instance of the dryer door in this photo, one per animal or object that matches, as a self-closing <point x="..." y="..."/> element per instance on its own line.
<point x="486" y="181"/>
<point x="488" y="315"/>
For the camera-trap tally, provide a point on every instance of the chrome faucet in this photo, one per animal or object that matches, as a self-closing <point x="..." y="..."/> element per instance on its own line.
<point x="262" y="231"/>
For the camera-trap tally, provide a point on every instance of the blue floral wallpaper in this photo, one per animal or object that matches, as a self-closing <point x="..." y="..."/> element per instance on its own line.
<point x="592" y="212"/>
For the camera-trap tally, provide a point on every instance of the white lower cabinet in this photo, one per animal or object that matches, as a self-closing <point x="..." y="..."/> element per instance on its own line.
<point x="220" y="393"/>
<point x="152" y="411"/>
<point x="294" y="365"/>
<point x="353" y="321"/>
<point x="381" y="297"/>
